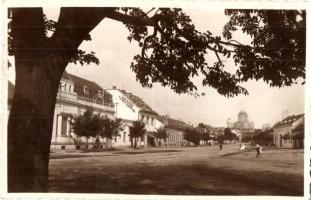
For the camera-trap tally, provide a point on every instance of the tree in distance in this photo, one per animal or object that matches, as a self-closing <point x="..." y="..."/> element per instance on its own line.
<point x="161" y="135"/>
<point x="137" y="130"/>
<point x="204" y="130"/>
<point x="229" y="135"/>
<point x="172" y="53"/>
<point x="87" y="125"/>
<point x="110" y="129"/>
<point x="193" y="135"/>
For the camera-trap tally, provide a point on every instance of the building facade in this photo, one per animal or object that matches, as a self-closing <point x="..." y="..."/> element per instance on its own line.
<point x="75" y="95"/>
<point x="285" y="132"/>
<point x="176" y="130"/>
<point x="243" y="126"/>
<point x="130" y="108"/>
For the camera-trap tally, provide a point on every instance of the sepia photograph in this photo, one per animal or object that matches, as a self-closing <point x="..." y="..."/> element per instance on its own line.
<point x="178" y="101"/>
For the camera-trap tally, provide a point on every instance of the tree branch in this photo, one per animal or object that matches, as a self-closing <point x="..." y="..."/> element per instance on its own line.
<point x="218" y="57"/>
<point x="73" y="26"/>
<point x="127" y="19"/>
<point x="143" y="49"/>
<point x="150" y="11"/>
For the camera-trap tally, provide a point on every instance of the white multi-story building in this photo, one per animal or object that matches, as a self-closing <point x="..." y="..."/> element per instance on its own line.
<point x="75" y="95"/>
<point x="129" y="108"/>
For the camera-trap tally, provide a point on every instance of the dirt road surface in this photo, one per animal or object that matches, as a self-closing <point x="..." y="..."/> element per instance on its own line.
<point x="180" y="171"/>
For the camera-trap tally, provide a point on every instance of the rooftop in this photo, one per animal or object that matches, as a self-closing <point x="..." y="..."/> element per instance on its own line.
<point x="288" y="121"/>
<point x="93" y="88"/>
<point x="173" y="123"/>
<point x="137" y="101"/>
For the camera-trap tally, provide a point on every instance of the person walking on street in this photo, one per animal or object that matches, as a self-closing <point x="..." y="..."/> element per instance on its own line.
<point x="220" y="146"/>
<point x="258" y="150"/>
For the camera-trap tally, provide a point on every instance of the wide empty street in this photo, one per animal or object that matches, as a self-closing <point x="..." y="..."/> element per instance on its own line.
<point x="200" y="170"/>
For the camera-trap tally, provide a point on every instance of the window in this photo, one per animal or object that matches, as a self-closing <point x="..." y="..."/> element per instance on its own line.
<point x="152" y="121"/>
<point x="147" y="120"/>
<point x="64" y="126"/>
<point x="85" y="90"/>
<point x="60" y="86"/>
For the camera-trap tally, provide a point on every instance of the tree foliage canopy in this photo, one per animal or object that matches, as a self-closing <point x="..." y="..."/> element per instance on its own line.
<point x="229" y="135"/>
<point x="87" y="125"/>
<point x="111" y="128"/>
<point x="193" y="135"/>
<point x="278" y="48"/>
<point x="161" y="133"/>
<point x="173" y="51"/>
<point x="137" y="129"/>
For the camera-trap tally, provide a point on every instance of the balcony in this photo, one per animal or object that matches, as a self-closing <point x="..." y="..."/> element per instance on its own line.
<point x="74" y="98"/>
<point x="62" y="95"/>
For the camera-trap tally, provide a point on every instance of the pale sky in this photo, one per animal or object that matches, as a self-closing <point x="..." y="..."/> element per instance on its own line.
<point x="115" y="52"/>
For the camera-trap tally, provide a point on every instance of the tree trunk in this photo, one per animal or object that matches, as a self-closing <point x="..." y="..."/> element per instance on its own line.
<point x="135" y="142"/>
<point x="30" y="127"/>
<point x="40" y="63"/>
<point x="131" y="139"/>
<point x="87" y="143"/>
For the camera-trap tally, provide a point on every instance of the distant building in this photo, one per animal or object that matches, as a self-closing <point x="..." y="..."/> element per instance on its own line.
<point x="216" y="131"/>
<point x="289" y="132"/>
<point x="243" y="125"/>
<point x="176" y="130"/>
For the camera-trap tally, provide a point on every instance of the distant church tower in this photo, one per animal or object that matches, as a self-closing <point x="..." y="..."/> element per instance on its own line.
<point x="242" y="116"/>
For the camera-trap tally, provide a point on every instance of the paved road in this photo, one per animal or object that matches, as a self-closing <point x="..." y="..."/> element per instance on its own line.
<point x="181" y="171"/>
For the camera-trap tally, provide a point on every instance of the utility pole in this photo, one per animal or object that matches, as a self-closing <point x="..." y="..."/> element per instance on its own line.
<point x="116" y="109"/>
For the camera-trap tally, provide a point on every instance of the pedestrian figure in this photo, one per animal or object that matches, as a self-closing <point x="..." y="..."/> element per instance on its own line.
<point x="258" y="150"/>
<point x="220" y="146"/>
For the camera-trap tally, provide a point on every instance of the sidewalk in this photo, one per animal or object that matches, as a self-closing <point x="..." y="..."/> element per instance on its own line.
<point x="61" y="154"/>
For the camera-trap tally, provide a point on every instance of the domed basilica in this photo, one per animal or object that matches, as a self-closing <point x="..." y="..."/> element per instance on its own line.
<point x="243" y="125"/>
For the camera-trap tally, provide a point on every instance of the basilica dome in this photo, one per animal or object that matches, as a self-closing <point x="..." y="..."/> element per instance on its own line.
<point x="242" y="112"/>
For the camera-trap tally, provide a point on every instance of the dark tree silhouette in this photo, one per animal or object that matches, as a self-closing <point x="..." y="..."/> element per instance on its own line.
<point x="87" y="125"/>
<point x="171" y="54"/>
<point x="193" y="135"/>
<point x="137" y="130"/>
<point x="111" y="129"/>
<point x="229" y="135"/>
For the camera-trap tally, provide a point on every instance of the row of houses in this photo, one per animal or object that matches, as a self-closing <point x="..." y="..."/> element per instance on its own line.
<point x="287" y="133"/>
<point x="76" y="95"/>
